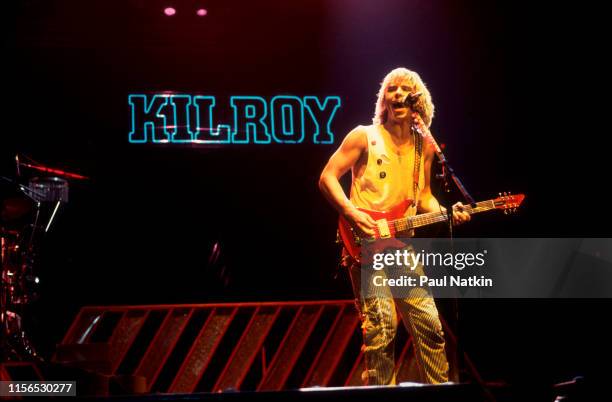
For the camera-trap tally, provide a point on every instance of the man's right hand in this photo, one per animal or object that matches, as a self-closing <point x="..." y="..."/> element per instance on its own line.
<point x="361" y="220"/>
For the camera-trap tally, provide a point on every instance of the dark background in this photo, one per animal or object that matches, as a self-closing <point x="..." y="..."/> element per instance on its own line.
<point x="513" y="84"/>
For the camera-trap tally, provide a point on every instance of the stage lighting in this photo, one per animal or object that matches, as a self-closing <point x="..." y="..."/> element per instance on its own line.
<point x="169" y="11"/>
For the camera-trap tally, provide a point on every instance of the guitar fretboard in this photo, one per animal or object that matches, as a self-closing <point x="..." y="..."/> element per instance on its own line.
<point x="412" y="222"/>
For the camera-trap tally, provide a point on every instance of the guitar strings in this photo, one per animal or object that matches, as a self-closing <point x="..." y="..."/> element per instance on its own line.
<point x="433" y="217"/>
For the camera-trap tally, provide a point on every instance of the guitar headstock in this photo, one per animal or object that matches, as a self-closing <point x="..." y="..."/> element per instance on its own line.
<point x="508" y="202"/>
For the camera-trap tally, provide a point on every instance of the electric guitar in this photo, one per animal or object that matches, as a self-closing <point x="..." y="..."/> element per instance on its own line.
<point x="392" y="223"/>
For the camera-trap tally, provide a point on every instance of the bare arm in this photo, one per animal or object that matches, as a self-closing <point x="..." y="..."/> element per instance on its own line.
<point x="346" y="156"/>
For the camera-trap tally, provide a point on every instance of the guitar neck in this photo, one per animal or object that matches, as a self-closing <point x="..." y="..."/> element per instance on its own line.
<point x="430" y="218"/>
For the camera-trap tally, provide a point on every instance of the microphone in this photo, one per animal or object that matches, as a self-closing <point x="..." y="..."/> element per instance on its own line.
<point x="412" y="99"/>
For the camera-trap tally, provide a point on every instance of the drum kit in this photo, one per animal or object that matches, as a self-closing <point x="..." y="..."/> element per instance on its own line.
<point x="27" y="213"/>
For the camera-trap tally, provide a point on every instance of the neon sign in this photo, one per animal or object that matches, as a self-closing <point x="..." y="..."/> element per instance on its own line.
<point x="181" y="118"/>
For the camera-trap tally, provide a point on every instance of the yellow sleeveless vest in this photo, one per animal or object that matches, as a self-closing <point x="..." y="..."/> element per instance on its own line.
<point x="388" y="177"/>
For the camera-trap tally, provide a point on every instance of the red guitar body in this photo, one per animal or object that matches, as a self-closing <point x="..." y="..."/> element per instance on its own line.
<point x="352" y="240"/>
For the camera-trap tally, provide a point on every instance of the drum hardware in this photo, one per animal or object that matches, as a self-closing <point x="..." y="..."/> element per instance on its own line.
<point x="24" y="220"/>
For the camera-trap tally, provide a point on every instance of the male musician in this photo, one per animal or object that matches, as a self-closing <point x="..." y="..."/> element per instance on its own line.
<point x="390" y="163"/>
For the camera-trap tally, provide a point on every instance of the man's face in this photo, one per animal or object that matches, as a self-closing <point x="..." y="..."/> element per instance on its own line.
<point x="396" y="93"/>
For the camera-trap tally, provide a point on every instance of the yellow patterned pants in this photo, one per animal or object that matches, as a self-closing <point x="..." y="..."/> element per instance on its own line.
<point x="379" y="324"/>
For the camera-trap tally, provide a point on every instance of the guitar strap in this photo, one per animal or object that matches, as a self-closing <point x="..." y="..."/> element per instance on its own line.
<point x="418" y="153"/>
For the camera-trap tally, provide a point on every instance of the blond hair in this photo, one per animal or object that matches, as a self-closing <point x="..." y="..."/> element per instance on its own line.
<point x="424" y="106"/>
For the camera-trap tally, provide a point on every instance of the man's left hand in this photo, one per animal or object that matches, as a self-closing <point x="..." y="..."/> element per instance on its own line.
<point x="459" y="214"/>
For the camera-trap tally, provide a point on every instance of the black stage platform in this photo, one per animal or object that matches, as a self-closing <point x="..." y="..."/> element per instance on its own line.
<point x="431" y="393"/>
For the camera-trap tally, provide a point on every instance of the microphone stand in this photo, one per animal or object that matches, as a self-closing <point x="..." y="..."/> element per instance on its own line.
<point x="447" y="176"/>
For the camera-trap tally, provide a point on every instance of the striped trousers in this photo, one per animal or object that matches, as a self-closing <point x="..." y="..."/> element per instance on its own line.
<point x="379" y="324"/>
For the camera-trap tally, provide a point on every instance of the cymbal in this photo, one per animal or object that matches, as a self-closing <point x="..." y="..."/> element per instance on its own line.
<point x="54" y="171"/>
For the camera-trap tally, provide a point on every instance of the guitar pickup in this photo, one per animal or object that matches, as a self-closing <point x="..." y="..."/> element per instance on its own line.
<point x="383" y="229"/>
